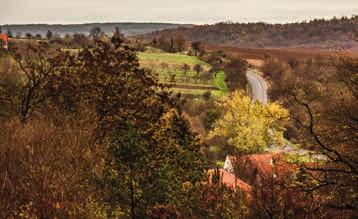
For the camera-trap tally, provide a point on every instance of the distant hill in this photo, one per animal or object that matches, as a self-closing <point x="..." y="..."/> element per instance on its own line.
<point x="319" y="34"/>
<point x="129" y="29"/>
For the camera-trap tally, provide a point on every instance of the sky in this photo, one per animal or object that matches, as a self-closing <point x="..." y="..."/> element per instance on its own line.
<point x="178" y="11"/>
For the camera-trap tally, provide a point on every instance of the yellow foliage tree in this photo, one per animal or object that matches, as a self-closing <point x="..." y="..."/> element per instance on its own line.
<point x="248" y="125"/>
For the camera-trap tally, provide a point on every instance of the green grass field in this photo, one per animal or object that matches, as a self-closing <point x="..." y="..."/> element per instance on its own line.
<point x="169" y="58"/>
<point x="165" y="65"/>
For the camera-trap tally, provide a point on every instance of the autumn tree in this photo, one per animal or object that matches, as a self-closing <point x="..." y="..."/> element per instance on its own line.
<point x="67" y="39"/>
<point x="277" y="72"/>
<point x="163" y="43"/>
<point x="324" y="111"/>
<point x="171" y="77"/>
<point x="9" y="83"/>
<point x="79" y="39"/>
<point x="151" y="149"/>
<point x="154" y="42"/>
<point x="198" y="69"/>
<point x="96" y="32"/>
<point x="49" y="35"/>
<point x="139" y="176"/>
<point x="320" y="95"/>
<point x="235" y="74"/>
<point x="180" y="42"/>
<point x="197" y="47"/>
<point x="109" y="77"/>
<point x="127" y="158"/>
<point x="275" y="195"/>
<point x="185" y="67"/>
<point x="146" y="173"/>
<point x="293" y="62"/>
<point x="215" y="199"/>
<point x="206" y="76"/>
<point x="118" y="91"/>
<point x="28" y="35"/>
<point x="216" y="58"/>
<point x="118" y="37"/>
<point x="211" y="116"/>
<point x="37" y="64"/>
<point x="248" y="125"/>
<point x="172" y="45"/>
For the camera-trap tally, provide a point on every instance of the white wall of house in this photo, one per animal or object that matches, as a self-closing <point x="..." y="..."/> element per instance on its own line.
<point x="228" y="166"/>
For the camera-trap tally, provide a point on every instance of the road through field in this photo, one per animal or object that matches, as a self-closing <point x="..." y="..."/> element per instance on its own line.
<point x="258" y="86"/>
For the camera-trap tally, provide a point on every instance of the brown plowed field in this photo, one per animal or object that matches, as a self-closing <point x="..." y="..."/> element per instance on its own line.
<point x="280" y="53"/>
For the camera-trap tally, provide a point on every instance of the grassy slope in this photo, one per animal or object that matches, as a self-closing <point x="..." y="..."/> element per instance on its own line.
<point x="170" y="58"/>
<point x="153" y="59"/>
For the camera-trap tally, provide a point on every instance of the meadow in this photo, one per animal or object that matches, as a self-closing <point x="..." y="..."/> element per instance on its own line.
<point x="169" y="69"/>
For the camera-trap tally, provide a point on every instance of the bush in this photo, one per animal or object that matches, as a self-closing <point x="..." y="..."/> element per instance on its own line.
<point x="45" y="169"/>
<point x="211" y="116"/>
<point x="207" y="95"/>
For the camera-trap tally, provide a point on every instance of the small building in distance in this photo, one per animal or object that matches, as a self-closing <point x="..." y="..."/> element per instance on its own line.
<point x="4" y="41"/>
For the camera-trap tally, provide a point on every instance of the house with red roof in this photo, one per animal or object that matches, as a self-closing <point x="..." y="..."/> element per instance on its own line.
<point x="252" y="168"/>
<point x="229" y="180"/>
<point x="261" y="161"/>
<point x="249" y="167"/>
<point x="269" y="176"/>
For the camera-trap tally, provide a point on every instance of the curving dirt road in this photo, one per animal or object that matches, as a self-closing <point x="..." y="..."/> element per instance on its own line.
<point x="258" y="86"/>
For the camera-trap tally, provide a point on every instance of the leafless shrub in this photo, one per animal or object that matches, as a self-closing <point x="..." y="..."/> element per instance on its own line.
<point x="45" y="169"/>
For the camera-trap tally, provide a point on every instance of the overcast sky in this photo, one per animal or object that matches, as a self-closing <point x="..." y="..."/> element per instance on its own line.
<point x="178" y="11"/>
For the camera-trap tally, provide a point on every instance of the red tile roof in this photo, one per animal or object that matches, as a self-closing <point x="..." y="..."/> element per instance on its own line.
<point x="229" y="180"/>
<point x="263" y="165"/>
<point x="4" y="37"/>
<point x="262" y="162"/>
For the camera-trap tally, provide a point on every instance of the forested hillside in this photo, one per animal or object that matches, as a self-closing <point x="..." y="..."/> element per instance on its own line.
<point x="126" y="28"/>
<point x="319" y="33"/>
